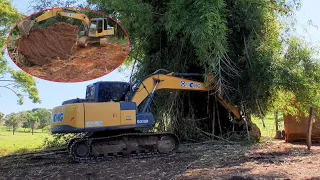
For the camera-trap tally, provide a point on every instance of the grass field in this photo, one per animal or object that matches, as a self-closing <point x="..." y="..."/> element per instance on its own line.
<point x="270" y="130"/>
<point x="22" y="141"/>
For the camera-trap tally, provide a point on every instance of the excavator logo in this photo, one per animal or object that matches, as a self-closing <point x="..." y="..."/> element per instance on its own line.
<point x="190" y="84"/>
<point x="70" y="15"/>
<point x="57" y="118"/>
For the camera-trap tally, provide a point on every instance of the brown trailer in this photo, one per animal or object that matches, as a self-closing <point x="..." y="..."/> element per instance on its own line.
<point x="296" y="128"/>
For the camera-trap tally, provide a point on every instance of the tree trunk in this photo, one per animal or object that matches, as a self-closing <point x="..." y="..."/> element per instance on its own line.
<point x="260" y="113"/>
<point x="311" y="113"/>
<point x="276" y="120"/>
<point x="32" y="130"/>
<point x="213" y="119"/>
<point x="12" y="130"/>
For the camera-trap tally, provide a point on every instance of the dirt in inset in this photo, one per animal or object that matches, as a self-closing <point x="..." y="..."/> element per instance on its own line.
<point x="55" y="55"/>
<point x="42" y="46"/>
<point x="88" y="63"/>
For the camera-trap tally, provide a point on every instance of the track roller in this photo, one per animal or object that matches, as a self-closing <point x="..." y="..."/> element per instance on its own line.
<point x="81" y="149"/>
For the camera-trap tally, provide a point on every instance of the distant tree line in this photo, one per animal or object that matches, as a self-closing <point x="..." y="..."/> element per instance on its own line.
<point x="37" y="118"/>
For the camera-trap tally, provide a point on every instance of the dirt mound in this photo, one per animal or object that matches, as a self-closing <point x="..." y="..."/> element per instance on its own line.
<point x="87" y="64"/>
<point x="44" y="45"/>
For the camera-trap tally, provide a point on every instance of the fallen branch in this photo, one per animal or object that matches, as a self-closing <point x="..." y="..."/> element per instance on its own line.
<point x="211" y="135"/>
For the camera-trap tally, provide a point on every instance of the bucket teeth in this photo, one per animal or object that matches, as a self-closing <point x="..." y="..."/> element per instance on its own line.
<point x="25" y="26"/>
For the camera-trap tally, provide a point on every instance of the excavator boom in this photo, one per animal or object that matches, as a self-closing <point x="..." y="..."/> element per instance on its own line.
<point x="172" y="81"/>
<point x="26" y="25"/>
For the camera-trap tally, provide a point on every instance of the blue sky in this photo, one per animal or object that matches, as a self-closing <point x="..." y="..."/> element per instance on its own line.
<point x="53" y="94"/>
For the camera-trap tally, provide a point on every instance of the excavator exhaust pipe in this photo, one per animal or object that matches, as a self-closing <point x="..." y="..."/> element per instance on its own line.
<point x="25" y="26"/>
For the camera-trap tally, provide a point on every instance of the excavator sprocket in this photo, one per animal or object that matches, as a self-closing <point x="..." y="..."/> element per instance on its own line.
<point x="129" y="144"/>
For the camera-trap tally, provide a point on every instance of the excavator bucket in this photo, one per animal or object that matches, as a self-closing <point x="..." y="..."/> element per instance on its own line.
<point x="25" y="26"/>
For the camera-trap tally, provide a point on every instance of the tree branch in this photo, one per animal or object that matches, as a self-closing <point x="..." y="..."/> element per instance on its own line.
<point x="8" y="80"/>
<point x="10" y="90"/>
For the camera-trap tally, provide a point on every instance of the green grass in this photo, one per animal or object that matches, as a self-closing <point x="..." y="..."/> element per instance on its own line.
<point x="270" y="130"/>
<point x="115" y="40"/>
<point x="21" y="142"/>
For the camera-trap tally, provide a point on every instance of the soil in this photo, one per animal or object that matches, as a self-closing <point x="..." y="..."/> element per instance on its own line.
<point x="271" y="160"/>
<point x="89" y="63"/>
<point x="58" y="41"/>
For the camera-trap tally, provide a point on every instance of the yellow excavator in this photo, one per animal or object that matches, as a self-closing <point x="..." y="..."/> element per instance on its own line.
<point x="95" y="30"/>
<point x="113" y="113"/>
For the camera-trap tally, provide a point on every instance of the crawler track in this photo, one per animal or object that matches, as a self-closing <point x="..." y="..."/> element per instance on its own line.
<point x="137" y="145"/>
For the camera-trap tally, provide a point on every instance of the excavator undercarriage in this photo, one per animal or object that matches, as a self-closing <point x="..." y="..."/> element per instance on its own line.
<point x="84" y="41"/>
<point x="127" y="144"/>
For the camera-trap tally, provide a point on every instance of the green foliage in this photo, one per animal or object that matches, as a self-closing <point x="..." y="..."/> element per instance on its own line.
<point x="300" y="76"/>
<point x="2" y="116"/>
<point x="23" y="84"/>
<point x="136" y="18"/>
<point x="205" y="24"/>
<point x="238" y="41"/>
<point x="9" y="16"/>
<point x="32" y="120"/>
<point x="255" y="48"/>
<point x="59" y="140"/>
<point x="15" y="120"/>
<point x="44" y="116"/>
<point x="18" y="82"/>
<point x="47" y="129"/>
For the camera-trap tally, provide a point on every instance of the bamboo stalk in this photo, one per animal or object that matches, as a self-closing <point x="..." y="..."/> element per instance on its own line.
<point x="213" y="120"/>
<point x="218" y="116"/>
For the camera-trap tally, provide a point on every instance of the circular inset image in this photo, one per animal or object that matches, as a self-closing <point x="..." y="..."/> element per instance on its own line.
<point x="68" y="44"/>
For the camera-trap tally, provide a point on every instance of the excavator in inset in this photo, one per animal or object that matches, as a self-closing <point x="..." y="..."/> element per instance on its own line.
<point x="113" y="114"/>
<point x="95" y="30"/>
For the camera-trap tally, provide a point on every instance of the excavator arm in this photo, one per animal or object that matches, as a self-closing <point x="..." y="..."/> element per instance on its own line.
<point x="25" y="26"/>
<point x="172" y="81"/>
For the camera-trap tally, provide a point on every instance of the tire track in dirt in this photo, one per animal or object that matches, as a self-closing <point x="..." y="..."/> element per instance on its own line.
<point x="44" y="45"/>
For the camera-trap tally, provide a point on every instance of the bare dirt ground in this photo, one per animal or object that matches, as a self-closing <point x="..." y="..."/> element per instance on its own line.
<point x="274" y="160"/>
<point x="88" y="63"/>
<point x="53" y="54"/>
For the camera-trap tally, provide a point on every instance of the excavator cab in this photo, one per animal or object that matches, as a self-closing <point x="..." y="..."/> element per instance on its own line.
<point x="99" y="27"/>
<point x="103" y="91"/>
<point x="106" y="91"/>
